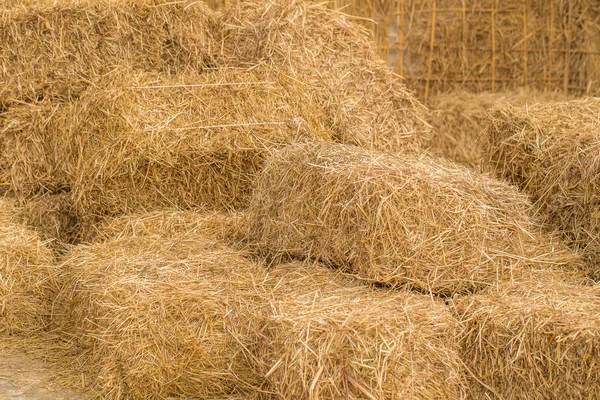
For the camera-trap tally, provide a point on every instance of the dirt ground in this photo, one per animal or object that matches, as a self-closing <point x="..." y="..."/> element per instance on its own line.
<point x="23" y="377"/>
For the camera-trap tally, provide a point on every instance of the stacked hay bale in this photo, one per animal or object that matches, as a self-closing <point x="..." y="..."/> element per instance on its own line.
<point x="459" y="119"/>
<point x="532" y="340"/>
<point x="27" y="276"/>
<point x="158" y="317"/>
<point x="550" y="151"/>
<point x="328" y="336"/>
<point x="368" y="104"/>
<point x="53" y="52"/>
<point x="400" y="221"/>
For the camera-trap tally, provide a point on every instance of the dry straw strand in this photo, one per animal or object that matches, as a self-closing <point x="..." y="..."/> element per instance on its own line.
<point x="401" y="221"/>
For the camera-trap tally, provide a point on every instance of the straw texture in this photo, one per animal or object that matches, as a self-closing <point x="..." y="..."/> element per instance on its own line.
<point x="550" y="151"/>
<point x="27" y="276"/>
<point x="459" y="118"/>
<point x="400" y="221"/>
<point x="327" y="336"/>
<point x="367" y="103"/>
<point x="53" y="51"/>
<point x="158" y="318"/>
<point x="532" y="340"/>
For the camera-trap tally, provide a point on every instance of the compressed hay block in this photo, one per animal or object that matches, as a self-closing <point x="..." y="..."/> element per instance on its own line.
<point x="27" y="276"/>
<point x="54" y="52"/>
<point x="328" y="336"/>
<point x="550" y="151"/>
<point x="532" y="340"/>
<point x="151" y="142"/>
<point x="399" y="221"/>
<point x="171" y="223"/>
<point x="158" y="317"/>
<point x="460" y="118"/>
<point x="368" y="104"/>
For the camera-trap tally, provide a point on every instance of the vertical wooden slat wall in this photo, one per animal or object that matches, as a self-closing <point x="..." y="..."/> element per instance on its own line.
<point x="484" y="45"/>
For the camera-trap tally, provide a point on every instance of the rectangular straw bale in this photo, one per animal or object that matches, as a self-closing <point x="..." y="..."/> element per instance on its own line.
<point x="158" y="318"/>
<point x="551" y="152"/>
<point x="27" y="276"/>
<point x="459" y="118"/>
<point x="368" y="104"/>
<point x="401" y="221"/>
<point x="53" y="52"/>
<point x="532" y="340"/>
<point x="328" y="336"/>
<point x="153" y="142"/>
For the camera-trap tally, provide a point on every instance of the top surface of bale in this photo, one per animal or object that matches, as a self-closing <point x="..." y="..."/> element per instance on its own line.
<point x="158" y="317"/>
<point x="409" y="221"/>
<point x="551" y="152"/>
<point x="27" y="275"/>
<point x="327" y="335"/>
<point x="533" y="340"/>
<point x="171" y="223"/>
<point x="368" y="104"/>
<point x="52" y="50"/>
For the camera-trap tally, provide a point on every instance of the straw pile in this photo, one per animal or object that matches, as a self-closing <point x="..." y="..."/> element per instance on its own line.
<point x="538" y="340"/>
<point x="27" y="277"/>
<point x="225" y="227"/>
<point x="551" y="152"/>
<point x="53" y="53"/>
<point x="367" y="103"/>
<point x="459" y="119"/>
<point x="400" y="221"/>
<point x="160" y="318"/>
<point x="327" y="336"/>
<point x="53" y="216"/>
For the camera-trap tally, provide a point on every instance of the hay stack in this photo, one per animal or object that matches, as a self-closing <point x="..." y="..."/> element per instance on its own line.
<point x="198" y="141"/>
<point x="160" y="318"/>
<point x="535" y="340"/>
<point x="53" y="53"/>
<point x="551" y="152"/>
<point x="367" y="103"/>
<point x="328" y="336"/>
<point x="399" y="221"/>
<point x="459" y="119"/>
<point x="171" y="223"/>
<point x="53" y="216"/>
<point x="27" y="276"/>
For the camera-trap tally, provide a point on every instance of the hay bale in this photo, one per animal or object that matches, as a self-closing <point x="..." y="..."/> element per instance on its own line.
<point x="54" y="52"/>
<point x="534" y="340"/>
<point x="27" y="276"/>
<point x="550" y="151"/>
<point x="198" y="141"/>
<point x="328" y="336"/>
<point x="459" y="119"/>
<point x="160" y="317"/>
<point x="367" y="103"/>
<point x="225" y="227"/>
<point x="400" y="221"/>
